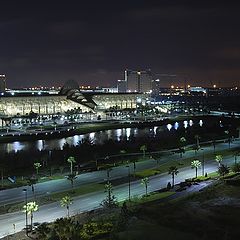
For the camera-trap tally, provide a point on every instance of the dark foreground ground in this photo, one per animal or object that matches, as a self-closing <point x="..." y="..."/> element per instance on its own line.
<point x="213" y="213"/>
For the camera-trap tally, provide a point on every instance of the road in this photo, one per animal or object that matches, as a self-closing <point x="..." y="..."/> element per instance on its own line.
<point x="91" y="201"/>
<point x="15" y="195"/>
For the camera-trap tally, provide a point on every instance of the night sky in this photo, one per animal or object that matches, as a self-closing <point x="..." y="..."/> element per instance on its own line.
<point x="48" y="42"/>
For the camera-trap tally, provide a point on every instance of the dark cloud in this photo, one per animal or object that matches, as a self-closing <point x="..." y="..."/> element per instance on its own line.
<point x="48" y="42"/>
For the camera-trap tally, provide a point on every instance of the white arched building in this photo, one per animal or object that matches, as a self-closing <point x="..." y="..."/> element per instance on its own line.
<point x="46" y="104"/>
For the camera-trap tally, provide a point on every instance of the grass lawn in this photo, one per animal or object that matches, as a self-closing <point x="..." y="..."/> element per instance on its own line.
<point x="154" y="197"/>
<point x="181" y="163"/>
<point x="145" y="199"/>
<point x="85" y="189"/>
<point x="55" y="197"/>
<point x="147" y="173"/>
<point x="23" y="182"/>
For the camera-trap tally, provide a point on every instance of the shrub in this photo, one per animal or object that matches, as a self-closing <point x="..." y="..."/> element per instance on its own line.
<point x="223" y="170"/>
<point x="94" y="230"/>
<point x="236" y="167"/>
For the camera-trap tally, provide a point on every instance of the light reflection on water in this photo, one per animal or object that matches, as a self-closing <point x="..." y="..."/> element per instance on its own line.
<point x="15" y="146"/>
<point x="62" y="141"/>
<point x="119" y="134"/>
<point x="169" y="126"/>
<point x="190" y="123"/>
<point x="92" y="137"/>
<point x="77" y="139"/>
<point x="128" y="133"/>
<point x="95" y="137"/>
<point x="40" y="145"/>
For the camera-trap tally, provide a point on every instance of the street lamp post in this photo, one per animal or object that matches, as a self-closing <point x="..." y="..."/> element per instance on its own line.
<point x="129" y="183"/>
<point x="2" y="177"/>
<point x="203" y="162"/>
<point x="108" y="174"/>
<point x="26" y="217"/>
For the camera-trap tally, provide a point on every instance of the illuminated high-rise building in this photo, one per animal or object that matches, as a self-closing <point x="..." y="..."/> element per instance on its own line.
<point x="122" y="86"/>
<point x="2" y="82"/>
<point x="156" y="86"/>
<point x="139" y="81"/>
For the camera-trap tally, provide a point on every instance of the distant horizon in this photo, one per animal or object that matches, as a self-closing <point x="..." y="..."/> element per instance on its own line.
<point x="114" y="86"/>
<point x="181" y="83"/>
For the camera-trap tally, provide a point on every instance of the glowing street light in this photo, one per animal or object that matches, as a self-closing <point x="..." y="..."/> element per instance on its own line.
<point x="26" y="217"/>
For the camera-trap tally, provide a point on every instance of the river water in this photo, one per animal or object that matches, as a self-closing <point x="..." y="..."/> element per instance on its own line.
<point x="100" y="137"/>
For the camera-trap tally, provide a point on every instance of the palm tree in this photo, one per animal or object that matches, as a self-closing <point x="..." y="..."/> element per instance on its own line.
<point x="71" y="160"/>
<point x="173" y="170"/>
<point x="219" y="159"/>
<point x="223" y="170"/>
<point x="66" y="202"/>
<point x="229" y="138"/>
<point x="110" y="201"/>
<point x="145" y="182"/>
<point x="30" y="208"/>
<point x="2" y="175"/>
<point x="37" y="165"/>
<point x="31" y="181"/>
<point x="214" y="145"/>
<point x="71" y="178"/>
<point x="143" y="148"/>
<point x="197" y="140"/>
<point x="122" y="152"/>
<point x="196" y="164"/>
<point x="182" y="142"/>
<point x="236" y="154"/>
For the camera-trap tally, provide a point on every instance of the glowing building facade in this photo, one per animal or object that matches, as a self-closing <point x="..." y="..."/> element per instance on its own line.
<point x="21" y="103"/>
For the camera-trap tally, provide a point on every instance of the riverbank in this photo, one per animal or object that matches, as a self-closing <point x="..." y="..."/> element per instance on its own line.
<point x="84" y="128"/>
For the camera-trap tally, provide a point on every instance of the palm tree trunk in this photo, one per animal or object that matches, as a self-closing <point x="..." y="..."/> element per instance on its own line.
<point x="172" y="180"/>
<point x="146" y="189"/>
<point x="196" y="172"/>
<point x="31" y="221"/>
<point x="68" y="211"/>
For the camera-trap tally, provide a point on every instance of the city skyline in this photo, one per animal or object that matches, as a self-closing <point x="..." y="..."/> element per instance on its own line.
<point x="93" y="43"/>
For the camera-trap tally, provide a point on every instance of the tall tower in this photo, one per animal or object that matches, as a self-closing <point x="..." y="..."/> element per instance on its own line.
<point x="2" y="82"/>
<point x="138" y="81"/>
<point x="121" y="86"/>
